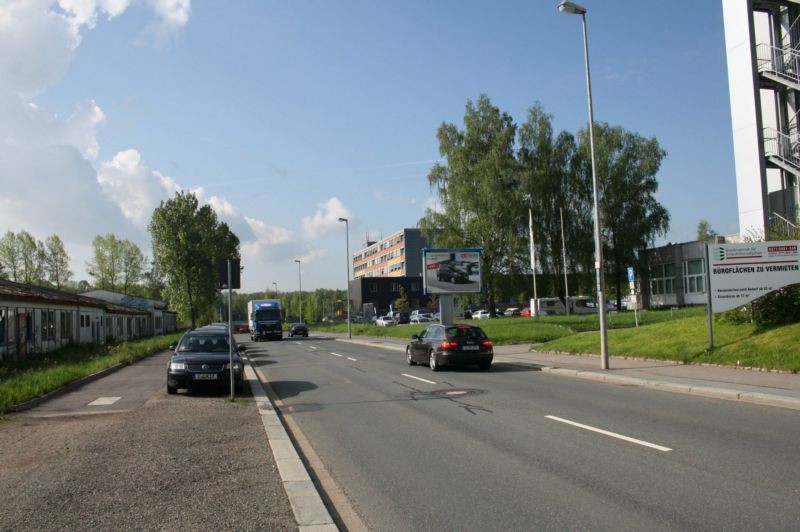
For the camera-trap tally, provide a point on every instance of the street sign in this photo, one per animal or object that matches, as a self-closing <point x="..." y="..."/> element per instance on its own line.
<point x="631" y="276"/>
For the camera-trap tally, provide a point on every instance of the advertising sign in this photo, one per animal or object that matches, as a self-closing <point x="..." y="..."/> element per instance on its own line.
<point x="740" y="273"/>
<point x="451" y="271"/>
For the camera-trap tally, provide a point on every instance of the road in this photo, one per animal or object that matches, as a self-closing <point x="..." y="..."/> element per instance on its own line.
<point x="517" y="449"/>
<point x="121" y="454"/>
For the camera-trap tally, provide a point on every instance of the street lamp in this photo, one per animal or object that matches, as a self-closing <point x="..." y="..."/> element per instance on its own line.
<point x="276" y="288"/>
<point x="347" y="259"/>
<point x="574" y="9"/>
<point x="300" y="286"/>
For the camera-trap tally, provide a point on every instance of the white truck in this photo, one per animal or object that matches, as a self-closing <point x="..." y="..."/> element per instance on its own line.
<point x="264" y="319"/>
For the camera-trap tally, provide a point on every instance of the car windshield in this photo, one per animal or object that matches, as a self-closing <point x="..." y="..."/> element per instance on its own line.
<point x="204" y="344"/>
<point x="473" y="333"/>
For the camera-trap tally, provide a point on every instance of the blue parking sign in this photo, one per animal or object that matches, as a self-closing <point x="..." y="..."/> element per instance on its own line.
<point x="631" y="277"/>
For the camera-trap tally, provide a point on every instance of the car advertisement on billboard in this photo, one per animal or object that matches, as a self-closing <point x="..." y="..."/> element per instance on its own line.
<point x="451" y="271"/>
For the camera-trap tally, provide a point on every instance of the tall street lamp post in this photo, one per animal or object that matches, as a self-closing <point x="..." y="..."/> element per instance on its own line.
<point x="300" y="285"/>
<point x="347" y="257"/>
<point x="574" y="9"/>
<point x="276" y="288"/>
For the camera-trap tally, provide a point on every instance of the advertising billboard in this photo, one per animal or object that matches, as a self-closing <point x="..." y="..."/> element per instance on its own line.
<point x="451" y="271"/>
<point x="740" y="273"/>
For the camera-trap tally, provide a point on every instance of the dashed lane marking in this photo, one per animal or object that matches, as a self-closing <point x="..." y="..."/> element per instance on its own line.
<point x="352" y="359"/>
<point x="336" y="354"/>
<point x="612" y="434"/>
<point x="417" y="378"/>
<point x="104" y="401"/>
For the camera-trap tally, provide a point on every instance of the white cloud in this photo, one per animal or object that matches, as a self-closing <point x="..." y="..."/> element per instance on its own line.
<point x="326" y="219"/>
<point x="173" y="15"/>
<point x="434" y="204"/>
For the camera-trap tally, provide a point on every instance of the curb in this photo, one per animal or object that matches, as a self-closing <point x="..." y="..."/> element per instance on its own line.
<point x="764" y="399"/>
<point x="309" y="510"/>
<point x="69" y="387"/>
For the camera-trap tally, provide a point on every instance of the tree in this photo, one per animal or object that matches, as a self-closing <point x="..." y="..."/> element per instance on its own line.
<point x="474" y="186"/>
<point x="631" y="216"/>
<point x="106" y="264"/>
<point x="188" y="243"/>
<point x="56" y="262"/>
<point x="132" y="263"/>
<point x="705" y="232"/>
<point x="30" y="258"/>
<point x="550" y="185"/>
<point x="401" y="303"/>
<point x="10" y="256"/>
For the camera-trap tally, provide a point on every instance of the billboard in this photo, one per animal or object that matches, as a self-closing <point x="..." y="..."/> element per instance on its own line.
<point x="740" y="273"/>
<point x="451" y="271"/>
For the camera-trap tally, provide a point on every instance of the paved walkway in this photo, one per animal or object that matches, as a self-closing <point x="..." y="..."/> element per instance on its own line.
<point x="736" y="384"/>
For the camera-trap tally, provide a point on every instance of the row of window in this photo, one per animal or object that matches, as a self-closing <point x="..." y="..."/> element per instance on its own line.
<point x="413" y="287"/>
<point x="383" y="258"/>
<point x="380" y="246"/>
<point x="663" y="277"/>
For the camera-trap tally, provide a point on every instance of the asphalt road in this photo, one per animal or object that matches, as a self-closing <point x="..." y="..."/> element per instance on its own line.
<point x="121" y="454"/>
<point x="517" y="449"/>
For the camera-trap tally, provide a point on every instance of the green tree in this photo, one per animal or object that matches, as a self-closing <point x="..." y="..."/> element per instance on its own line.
<point x="56" y="262"/>
<point x="474" y="186"/>
<point x="401" y="303"/>
<point x="550" y="184"/>
<point x="132" y="263"/>
<point x="10" y="256"/>
<point x="704" y="231"/>
<point x="631" y="216"/>
<point x="188" y="243"/>
<point x="106" y="264"/>
<point x="30" y="258"/>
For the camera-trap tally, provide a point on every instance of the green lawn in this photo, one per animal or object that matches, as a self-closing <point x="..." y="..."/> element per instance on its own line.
<point x="37" y="375"/>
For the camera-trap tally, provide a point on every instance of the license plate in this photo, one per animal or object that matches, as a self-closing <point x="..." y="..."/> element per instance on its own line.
<point x="470" y="347"/>
<point x="205" y="376"/>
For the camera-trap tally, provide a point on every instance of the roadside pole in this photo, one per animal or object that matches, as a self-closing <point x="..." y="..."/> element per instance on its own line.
<point x="708" y="304"/>
<point x="230" y="331"/>
<point x="535" y="301"/>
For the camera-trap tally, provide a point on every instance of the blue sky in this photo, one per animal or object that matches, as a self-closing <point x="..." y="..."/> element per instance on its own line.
<point x="286" y="115"/>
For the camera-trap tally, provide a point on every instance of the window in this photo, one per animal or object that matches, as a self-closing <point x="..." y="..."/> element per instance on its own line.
<point x="694" y="276"/>
<point x="414" y="286"/>
<point x="119" y="327"/>
<point x="662" y="280"/>
<point x="66" y="324"/>
<point x="3" y="321"/>
<point x="373" y="287"/>
<point x="395" y="287"/>
<point x="48" y="325"/>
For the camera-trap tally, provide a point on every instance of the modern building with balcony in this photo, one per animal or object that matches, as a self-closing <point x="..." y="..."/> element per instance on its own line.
<point x="398" y="255"/>
<point x="762" y="38"/>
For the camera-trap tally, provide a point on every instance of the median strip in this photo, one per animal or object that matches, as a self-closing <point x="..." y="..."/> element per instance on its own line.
<point x="612" y="434"/>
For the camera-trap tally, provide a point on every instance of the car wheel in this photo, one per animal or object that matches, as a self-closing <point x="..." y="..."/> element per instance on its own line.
<point x="483" y="366"/>
<point x="409" y="359"/>
<point x="432" y="362"/>
<point x="305" y="335"/>
<point x="172" y="390"/>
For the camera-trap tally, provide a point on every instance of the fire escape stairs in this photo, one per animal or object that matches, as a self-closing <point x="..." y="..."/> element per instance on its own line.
<point x="781" y="65"/>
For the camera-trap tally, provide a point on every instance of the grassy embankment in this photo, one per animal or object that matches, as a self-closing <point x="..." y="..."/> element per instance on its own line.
<point x="680" y="335"/>
<point x="37" y="375"/>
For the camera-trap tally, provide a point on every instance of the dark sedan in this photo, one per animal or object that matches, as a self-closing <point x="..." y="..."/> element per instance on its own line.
<point x="441" y="345"/>
<point x="452" y="273"/>
<point x="298" y="329"/>
<point x="202" y="358"/>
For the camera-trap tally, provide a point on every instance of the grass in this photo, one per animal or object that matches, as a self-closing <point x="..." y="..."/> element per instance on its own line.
<point x="37" y="375"/>
<point x="679" y="335"/>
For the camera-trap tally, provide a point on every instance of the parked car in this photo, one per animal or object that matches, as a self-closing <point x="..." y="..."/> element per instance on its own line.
<point x="401" y="317"/>
<point x="467" y="314"/>
<point x="525" y="312"/>
<point x="480" y="314"/>
<point x="452" y="273"/>
<point x="441" y="345"/>
<point x="421" y="316"/>
<point x="384" y="321"/>
<point x="202" y="357"/>
<point x="298" y="329"/>
<point x="512" y="311"/>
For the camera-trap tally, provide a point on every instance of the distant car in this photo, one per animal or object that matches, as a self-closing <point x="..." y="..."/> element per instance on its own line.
<point x="384" y="321"/>
<point x="525" y="312"/>
<point x="452" y="273"/>
<point x="298" y="329"/>
<point x="242" y="328"/>
<point x="441" y="345"/>
<point x="480" y="314"/>
<point x="401" y="318"/>
<point x="467" y="314"/>
<point x="513" y="311"/>
<point x="421" y="316"/>
<point x="202" y="358"/>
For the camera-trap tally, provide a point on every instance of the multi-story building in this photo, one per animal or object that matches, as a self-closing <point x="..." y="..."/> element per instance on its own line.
<point x="762" y="38"/>
<point x="398" y="255"/>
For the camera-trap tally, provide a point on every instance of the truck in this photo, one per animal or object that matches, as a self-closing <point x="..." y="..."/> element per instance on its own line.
<point x="264" y="319"/>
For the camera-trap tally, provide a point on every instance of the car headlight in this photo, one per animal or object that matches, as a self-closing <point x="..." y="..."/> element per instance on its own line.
<point x="237" y="366"/>
<point x="176" y="366"/>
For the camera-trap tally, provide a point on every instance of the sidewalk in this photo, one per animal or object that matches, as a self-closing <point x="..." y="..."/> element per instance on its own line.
<point x="751" y="386"/>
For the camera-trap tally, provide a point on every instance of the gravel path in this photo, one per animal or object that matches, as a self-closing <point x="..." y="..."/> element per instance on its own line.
<point x="190" y="462"/>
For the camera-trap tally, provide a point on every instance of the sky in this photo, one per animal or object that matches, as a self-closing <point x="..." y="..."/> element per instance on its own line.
<point x="286" y="115"/>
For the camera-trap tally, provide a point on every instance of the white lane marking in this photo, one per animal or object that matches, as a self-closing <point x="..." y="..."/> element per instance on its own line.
<point x="612" y="434"/>
<point x="104" y="401"/>
<point x="298" y="343"/>
<point x="352" y="359"/>
<point x="336" y="354"/>
<point x="417" y="378"/>
<point x="312" y="347"/>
